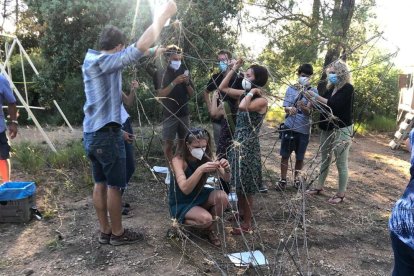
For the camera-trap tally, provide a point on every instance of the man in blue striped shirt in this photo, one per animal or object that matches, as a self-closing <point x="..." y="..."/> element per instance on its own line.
<point x="103" y="141"/>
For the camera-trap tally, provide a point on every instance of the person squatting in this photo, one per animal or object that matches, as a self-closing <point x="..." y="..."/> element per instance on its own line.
<point x="237" y="105"/>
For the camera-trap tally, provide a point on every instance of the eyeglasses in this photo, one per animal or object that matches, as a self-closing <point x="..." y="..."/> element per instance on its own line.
<point x="197" y="133"/>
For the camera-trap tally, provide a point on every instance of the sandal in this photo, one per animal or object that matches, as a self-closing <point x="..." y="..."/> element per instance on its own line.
<point x="237" y="231"/>
<point x="234" y="216"/>
<point x="214" y="239"/>
<point x="314" y="191"/>
<point x="333" y="200"/>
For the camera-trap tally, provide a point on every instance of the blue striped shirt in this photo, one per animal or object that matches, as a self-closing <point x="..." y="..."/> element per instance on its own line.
<point x="102" y="77"/>
<point x="402" y="217"/>
<point x="6" y="95"/>
<point x="298" y="122"/>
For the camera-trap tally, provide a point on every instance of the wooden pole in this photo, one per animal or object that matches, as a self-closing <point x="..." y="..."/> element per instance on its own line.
<point x="21" y="99"/>
<point x="63" y="115"/>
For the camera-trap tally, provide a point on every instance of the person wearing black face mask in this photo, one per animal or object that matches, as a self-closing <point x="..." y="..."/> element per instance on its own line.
<point x="174" y="89"/>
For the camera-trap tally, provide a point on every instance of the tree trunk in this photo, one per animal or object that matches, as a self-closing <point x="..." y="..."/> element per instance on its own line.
<point x="316" y="6"/>
<point x="341" y="20"/>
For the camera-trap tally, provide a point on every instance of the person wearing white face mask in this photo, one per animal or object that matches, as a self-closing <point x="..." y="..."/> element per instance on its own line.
<point x="296" y="130"/>
<point x="244" y="156"/>
<point x="190" y="202"/>
<point x="174" y="88"/>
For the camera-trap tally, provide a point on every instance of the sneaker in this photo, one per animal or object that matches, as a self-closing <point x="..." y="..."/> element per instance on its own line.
<point x="104" y="238"/>
<point x="263" y="188"/>
<point x="127" y="237"/>
<point x="297" y="184"/>
<point x="281" y="185"/>
<point x="125" y="211"/>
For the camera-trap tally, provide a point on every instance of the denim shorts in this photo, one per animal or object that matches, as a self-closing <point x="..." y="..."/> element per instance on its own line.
<point x="106" y="149"/>
<point x="294" y="141"/>
<point x="4" y="146"/>
<point x="173" y="126"/>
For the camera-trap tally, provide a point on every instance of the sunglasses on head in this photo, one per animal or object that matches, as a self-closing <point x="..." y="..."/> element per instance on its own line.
<point x="197" y="133"/>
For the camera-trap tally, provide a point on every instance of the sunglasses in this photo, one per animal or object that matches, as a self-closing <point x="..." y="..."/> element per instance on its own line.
<point x="197" y="133"/>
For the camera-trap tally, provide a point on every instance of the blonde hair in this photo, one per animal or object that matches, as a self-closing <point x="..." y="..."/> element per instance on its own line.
<point x="343" y="73"/>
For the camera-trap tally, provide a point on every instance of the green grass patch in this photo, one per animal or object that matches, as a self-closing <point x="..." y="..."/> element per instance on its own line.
<point x="72" y="155"/>
<point x="378" y="124"/>
<point x="382" y="124"/>
<point x="28" y="157"/>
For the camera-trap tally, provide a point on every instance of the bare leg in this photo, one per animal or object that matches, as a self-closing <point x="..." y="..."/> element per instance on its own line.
<point x="216" y="203"/>
<point x="99" y="202"/>
<point x="246" y="206"/>
<point x="199" y="217"/>
<point x="284" y="164"/>
<point x="168" y="150"/>
<point x="298" y="168"/>
<point x="114" y="204"/>
<point x="180" y="146"/>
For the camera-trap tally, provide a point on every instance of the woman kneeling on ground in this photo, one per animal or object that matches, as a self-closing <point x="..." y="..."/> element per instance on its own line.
<point x="190" y="202"/>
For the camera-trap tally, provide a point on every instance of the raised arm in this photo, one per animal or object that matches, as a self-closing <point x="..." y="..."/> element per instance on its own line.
<point x="152" y="33"/>
<point x="216" y="110"/>
<point x="224" y="85"/>
<point x="257" y="105"/>
<point x="128" y="99"/>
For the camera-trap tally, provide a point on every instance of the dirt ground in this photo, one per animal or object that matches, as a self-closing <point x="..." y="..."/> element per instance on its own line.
<point x="347" y="239"/>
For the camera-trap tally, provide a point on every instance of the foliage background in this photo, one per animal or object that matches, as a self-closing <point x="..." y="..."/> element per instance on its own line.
<point x="57" y="34"/>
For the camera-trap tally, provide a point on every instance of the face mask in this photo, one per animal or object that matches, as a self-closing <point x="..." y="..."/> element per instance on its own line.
<point x="303" y="81"/>
<point x="333" y="78"/>
<point x="175" y="64"/>
<point x="247" y="85"/>
<point x="223" y="66"/>
<point x="198" y="153"/>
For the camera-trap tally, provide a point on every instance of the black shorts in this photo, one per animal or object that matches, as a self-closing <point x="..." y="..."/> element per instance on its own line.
<point x="4" y="146"/>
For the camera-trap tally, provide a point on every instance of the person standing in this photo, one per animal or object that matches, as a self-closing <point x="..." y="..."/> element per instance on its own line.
<point x="6" y="96"/>
<point x="225" y="61"/>
<point x="297" y="125"/>
<point x="245" y="157"/>
<point x="336" y="132"/>
<point x="174" y="89"/>
<point x="128" y="134"/>
<point x="103" y="141"/>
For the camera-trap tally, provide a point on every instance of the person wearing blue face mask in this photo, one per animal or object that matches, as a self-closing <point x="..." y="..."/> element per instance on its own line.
<point x="224" y="63"/>
<point x="174" y="87"/>
<point x="337" y="130"/>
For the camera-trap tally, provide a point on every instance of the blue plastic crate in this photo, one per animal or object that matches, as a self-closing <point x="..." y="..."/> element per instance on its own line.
<point x="16" y="190"/>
